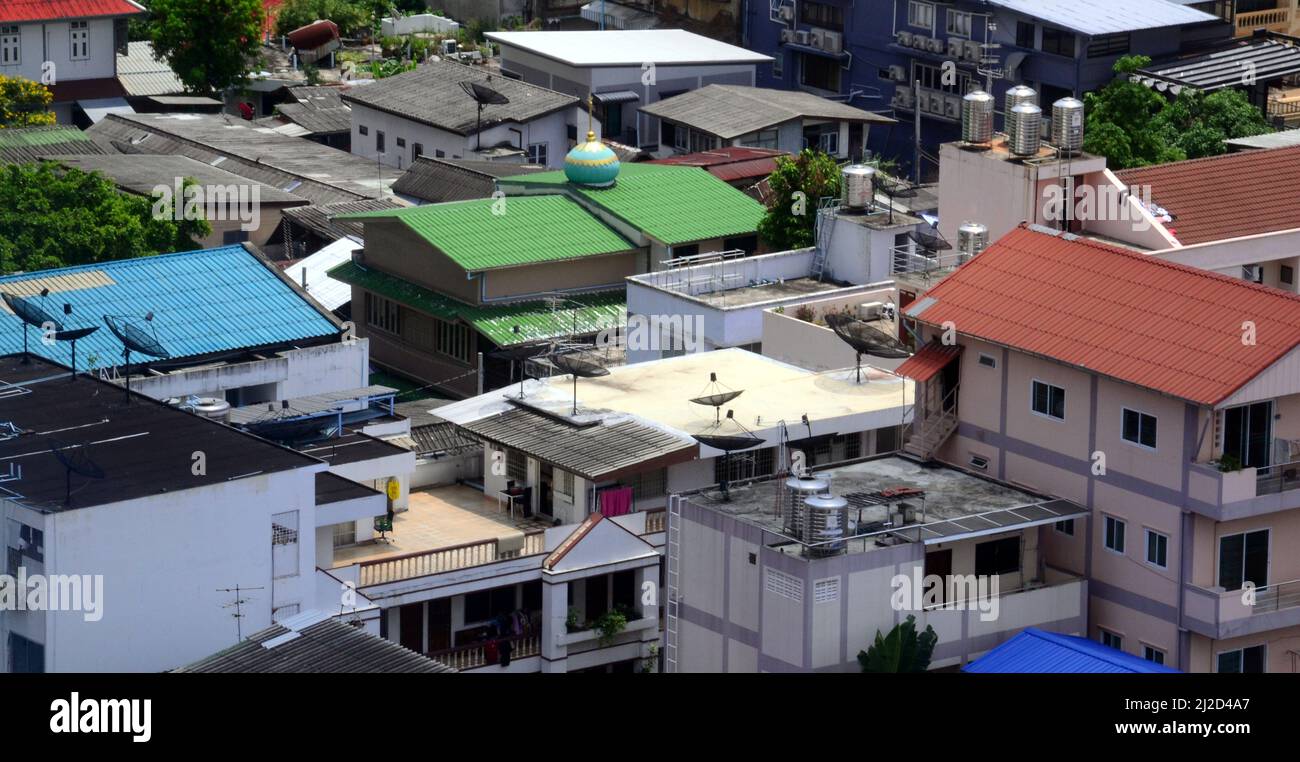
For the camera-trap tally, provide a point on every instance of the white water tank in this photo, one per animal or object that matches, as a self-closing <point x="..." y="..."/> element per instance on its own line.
<point x="798" y="489"/>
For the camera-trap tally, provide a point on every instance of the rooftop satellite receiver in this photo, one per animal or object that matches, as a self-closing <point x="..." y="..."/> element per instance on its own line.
<point x="929" y="242"/>
<point x="716" y="395"/>
<point x="482" y="95"/>
<point x="892" y="188"/>
<point x="578" y="367"/>
<point x="136" y="335"/>
<point x="75" y="460"/>
<point x="37" y="315"/>
<point x="729" y="436"/>
<point x="865" y="339"/>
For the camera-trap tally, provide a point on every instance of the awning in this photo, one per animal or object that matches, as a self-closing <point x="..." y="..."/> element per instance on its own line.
<point x="617" y="96"/>
<point x="932" y="358"/>
<point x="99" y="108"/>
<point x="1266" y="60"/>
<point x="996" y="522"/>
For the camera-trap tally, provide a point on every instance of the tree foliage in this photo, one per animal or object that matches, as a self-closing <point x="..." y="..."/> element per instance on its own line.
<point x="53" y="218"/>
<point x="24" y="103"/>
<point x="902" y="650"/>
<point x="797" y="185"/>
<point x="210" y="44"/>
<point x="1133" y="125"/>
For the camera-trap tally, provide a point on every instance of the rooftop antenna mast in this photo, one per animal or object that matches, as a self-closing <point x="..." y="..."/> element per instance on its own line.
<point x="134" y="337"/>
<point x="238" y="605"/>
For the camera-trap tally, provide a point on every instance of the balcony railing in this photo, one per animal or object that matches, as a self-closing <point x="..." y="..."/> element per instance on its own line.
<point x="1273" y="17"/>
<point x="1284" y="595"/>
<point x="656" y="521"/>
<point x="422" y="563"/>
<point x="1278" y="478"/>
<point x="475" y="655"/>
<point x="907" y="261"/>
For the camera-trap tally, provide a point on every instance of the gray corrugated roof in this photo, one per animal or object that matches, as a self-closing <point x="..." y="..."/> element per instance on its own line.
<point x="24" y="144"/>
<point x="141" y="73"/>
<point x="1283" y="139"/>
<point x="325" y="646"/>
<point x="439" y="180"/>
<point x="431" y="94"/>
<point x="730" y="111"/>
<point x="1266" y="60"/>
<point x="320" y="218"/>
<point x="442" y="439"/>
<point x="1107" y="16"/>
<point x="141" y="174"/>
<point x="316" y="119"/>
<point x="592" y="451"/>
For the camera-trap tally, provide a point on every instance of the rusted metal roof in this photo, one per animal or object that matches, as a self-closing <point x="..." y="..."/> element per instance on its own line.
<point x="928" y="361"/>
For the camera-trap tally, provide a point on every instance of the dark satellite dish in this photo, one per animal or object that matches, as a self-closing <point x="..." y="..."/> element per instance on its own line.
<point x="31" y="314"/>
<point x="75" y="460"/>
<point x="137" y="339"/>
<point x="729" y="436"/>
<point x="892" y="188"/>
<point x="294" y="431"/>
<point x="578" y="367"/>
<point x="716" y="395"/>
<point x="930" y="243"/>
<point x="865" y="339"/>
<point x="483" y="96"/>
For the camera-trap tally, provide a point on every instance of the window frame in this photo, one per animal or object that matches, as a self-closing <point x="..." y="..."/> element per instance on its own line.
<point x="73" y="28"/>
<point x="1241" y="670"/>
<point x="950" y="15"/>
<point x="1149" y="650"/>
<point x="1155" y="426"/>
<point x="1065" y="527"/>
<point x="924" y="8"/>
<point x="1106" y="535"/>
<point x="1059" y="35"/>
<point x="1033" y="400"/>
<point x="12" y="39"/>
<point x="1147" y="535"/>
<point x="538" y="153"/>
<point x="992" y="362"/>
<point x="1106" y="45"/>
<point x="1107" y="636"/>
<point x="995" y="550"/>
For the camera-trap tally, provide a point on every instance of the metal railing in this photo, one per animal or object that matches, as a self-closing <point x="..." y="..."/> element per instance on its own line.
<point x="906" y="261"/>
<point x="475" y="654"/>
<point x="1284" y="595"/>
<point x="439" y="560"/>
<point x="1277" y="478"/>
<point x="930" y="431"/>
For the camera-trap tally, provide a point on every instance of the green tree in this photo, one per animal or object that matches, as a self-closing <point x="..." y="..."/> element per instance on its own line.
<point x="51" y="218"/>
<point x="902" y="650"/>
<point x="210" y="44"/>
<point x="1133" y="125"/>
<point x="24" y="103"/>
<point x="797" y="185"/>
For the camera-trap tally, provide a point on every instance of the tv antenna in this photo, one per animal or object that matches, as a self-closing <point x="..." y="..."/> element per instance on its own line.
<point x="138" y="335"/>
<point x="238" y="605"/>
<point x="482" y="95"/>
<point x="75" y="460"/>
<point x="729" y="436"/>
<point x="716" y="395"/>
<point x="865" y="339"/>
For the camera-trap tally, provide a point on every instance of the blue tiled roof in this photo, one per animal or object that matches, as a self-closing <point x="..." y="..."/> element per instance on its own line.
<point x="1037" y="651"/>
<point x="208" y="301"/>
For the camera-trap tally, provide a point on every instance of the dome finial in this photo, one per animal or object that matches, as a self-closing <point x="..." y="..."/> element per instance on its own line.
<point x="591" y="163"/>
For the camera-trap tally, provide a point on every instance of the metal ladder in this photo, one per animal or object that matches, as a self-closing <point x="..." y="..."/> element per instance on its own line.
<point x="826" y="209"/>
<point x="674" y="549"/>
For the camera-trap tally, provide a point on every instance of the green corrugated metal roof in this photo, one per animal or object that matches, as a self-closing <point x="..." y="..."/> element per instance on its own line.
<point x="537" y="320"/>
<point x="482" y="234"/>
<point x="23" y="137"/>
<point x="671" y="204"/>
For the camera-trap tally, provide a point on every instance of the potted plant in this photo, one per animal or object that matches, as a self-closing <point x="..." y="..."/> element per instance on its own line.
<point x="1229" y="463"/>
<point x="609" y="625"/>
<point x="572" y="623"/>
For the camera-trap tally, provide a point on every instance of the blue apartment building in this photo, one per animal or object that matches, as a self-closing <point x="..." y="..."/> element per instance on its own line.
<point x="871" y="53"/>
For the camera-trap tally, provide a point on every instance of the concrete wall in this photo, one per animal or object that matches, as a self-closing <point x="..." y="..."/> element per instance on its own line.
<point x="815" y="347"/>
<point x="52" y="42"/>
<point x="550" y="129"/>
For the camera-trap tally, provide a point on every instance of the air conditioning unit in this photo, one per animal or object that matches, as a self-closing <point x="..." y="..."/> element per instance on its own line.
<point x="902" y="99"/>
<point x="952" y="107"/>
<point x="786" y="13"/>
<point x="973" y="51"/>
<point x="955" y="48"/>
<point x="897" y="73"/>
<point x="815" y="38"/>
<point x="936" y="45"/>
<point x="920" y="42"/>
<point x="889" y="311"/>
<point x="832" y="42"/>
<point x="904" y="38"/>
<point x="936" y="103"/>
<point x="871" y="310"/>
<point x="787" y="35"/>
<point x="801" y="36"/>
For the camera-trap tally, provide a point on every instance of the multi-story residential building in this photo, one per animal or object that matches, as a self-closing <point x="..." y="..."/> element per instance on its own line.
<point x="920" y="57"/>
<point x="231" y="522"/>
<point x="623" y="69"/>
<point x="72" y="46"/>
<point x="1159" y="396"/>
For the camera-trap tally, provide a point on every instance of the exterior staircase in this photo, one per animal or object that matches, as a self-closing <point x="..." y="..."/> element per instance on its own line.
<point x="929" y="432"/>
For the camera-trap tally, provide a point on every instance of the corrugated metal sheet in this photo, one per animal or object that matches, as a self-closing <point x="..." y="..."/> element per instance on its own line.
<point x="1174" y="329"/>
<point x="141" y="73"/>
<point x="204" y="302"/>
<point x="324" y="646"/>
<point x="730" y="111"/>
<point x="1107" y="16"/>
<point x="24" y="144"/>
<point x="45" y="10"/>
<point x="1036" y="651"/>
<point x="928" y="361"/>
<point x="440" y="180"/>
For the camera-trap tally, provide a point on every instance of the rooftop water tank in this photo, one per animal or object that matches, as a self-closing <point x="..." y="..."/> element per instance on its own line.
<point x="1067" y="125"/>
<point x="1014" y="97"/>
<point x="826" y="525"/>
<point x="977" y="117"/>
<point x="972" y="238"/>
<point x="857" y="189"/>
<point x="798" y="489"/>
<point x="1025" y="121"/>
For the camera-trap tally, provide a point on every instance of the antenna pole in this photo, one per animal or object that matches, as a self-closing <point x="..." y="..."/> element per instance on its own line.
<point x="126" y="352"/>
<point x="26" y="358"/>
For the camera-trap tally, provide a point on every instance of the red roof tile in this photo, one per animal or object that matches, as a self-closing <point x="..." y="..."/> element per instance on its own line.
<point x="928" y="361"/>
<point x="43" y="10"/>
<point x="1118" y="313"/>
<point x="1226" y="196"/>
<point x="729" y="163"/>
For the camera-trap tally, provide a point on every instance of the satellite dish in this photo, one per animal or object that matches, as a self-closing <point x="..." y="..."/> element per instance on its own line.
<point x="75" y="460"/>
<point x="482" y="95"/>
<point x="893" y="188"/>
<point x="578" y="367"/>
<point x="34" y="314"/>
<point x="729" y="436"/>
<point x="135" y="338"/>
<point x="865" y="339"/>
<point x="930" y="243"/>
<point x="716" y="395"/>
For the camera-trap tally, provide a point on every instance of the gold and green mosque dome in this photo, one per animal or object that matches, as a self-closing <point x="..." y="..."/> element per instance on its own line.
<point x="591" y="163"/>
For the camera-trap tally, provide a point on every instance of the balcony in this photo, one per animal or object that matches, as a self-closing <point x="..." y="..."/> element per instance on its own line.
<point x="1219" y="614"/>
<point x="1272" y="19"/>
<point x="1246" y="492"/>
<point x="439" y="560"/>
<point x="474" y="655"/>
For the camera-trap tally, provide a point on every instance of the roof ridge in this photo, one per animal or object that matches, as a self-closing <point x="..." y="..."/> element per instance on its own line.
<point x="33" y="274"/>
<point x="1223" y="157"/>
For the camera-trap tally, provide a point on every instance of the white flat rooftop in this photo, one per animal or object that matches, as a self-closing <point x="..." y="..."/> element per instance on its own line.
<point x="628" y="47"/>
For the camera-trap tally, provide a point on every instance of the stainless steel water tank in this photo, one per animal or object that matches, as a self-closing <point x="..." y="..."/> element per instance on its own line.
<point x="857" y="189"/>
<point x="826" y="524"/>
<point x="977" y="117"/>
<point x="1067" y="125"/>
<point x="1014" y="97"/>
<point x="972" y="238"/>
<point x="1026" y="120"/>
<point x="798" y="489"/>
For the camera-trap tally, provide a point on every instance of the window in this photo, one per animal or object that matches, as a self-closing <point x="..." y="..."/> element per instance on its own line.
<point x="232" y="237"/>
<point x="1112" y="640"/>
<point x="1287" y="275"/>
<point x="778" y="65"/>
<point x="920" y="15"/>
<point x="1243" y="558"/>
<point x="379" y="141"/>
<point x="563" y="484"/>
<point x="820" y="73"/>
<point x="1049" y="400"/>
<point x="452" y="339"/>
<point x="488" y="604"/>
<point x="823" y="15"/>
<point x="761" y="139"/>
<point x="980" y="462"/>
<point x="10" y="45"/>
<point x="537" y="153"/>
<point x="1139" y="428"/>
<point x="997" y="557"/>
<point x="1114" y="534"/>
<point x="988" y="361"/>
<point x="932" y="78"/>
<point x="438" y="153"/>
<point x="1058" y="42"/>
<point x="687" y="250"/>
<point x="745" y="465"/>
<point x="958" y="23"/>
<point x="1157" y="549"/>
<point x="745" y="243"/>
<point x="345" y="534"/>
<point x="417" y="151"/>
<point x="401" y="142"/>
<point x="1065" y="527"/>
<point x="650" y="484"/>
<point x="284" y="544"/>
<point x="364" y="130"/>
<point x="383" y="314"/>
<point x="80" y="40"/>
<point x="829" y="143"/>
<point x="1024" y="35"/>
<point x="1153" y="654"/>
<point x="25" y="656"/>
<point x="1108" y="45"/>
<point x="1246" y="660"/>
<point x="516" y="465"/>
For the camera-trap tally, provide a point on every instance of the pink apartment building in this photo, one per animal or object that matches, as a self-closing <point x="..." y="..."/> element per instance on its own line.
<point x="1164" y="398"/>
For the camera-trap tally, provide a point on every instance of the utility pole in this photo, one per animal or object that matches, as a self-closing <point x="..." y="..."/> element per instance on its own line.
<point x="916" y="165"/>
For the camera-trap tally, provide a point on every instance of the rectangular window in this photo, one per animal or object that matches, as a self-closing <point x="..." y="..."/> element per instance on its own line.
<point x="345" y="534"/>
<point x="10" y="45"/>
<point x="1108" y="45"/>
<point x="920" y="15"/>
<point x="958" y="23"/>
<point x="745" y="465"/>
<point x="934" y="78"/>
<point x="829" y="142"/>
<point x="650" y="484"/>
<point x="1112" y="640"/>
<point x="379" y="141"/>
<point x="1065" y="527"/>
<point x="1058" y="42"/>
<point x="988" y="361"/>
<point x="364" y="130"/>
<point x="383" y="314"/>
<point x="80" y="40"/>
<point x="401" y="142"/>
<point x="1157" y="549"/>
<point x="1024" y="35"/>
<point x="998" y="557"/>
<point x="417" y="151"/>
<point x="284" y="544"/>
<point x="537" y="154"/>
<point x="823" y="15"/>
<point x="1139" y="428"/>
<point x="1287" y="275"/>
<point x="516" y="465"/>
<point x="1049" y="400"/>
<point x="563" y="483"/>
<point x="1245" y="660"/>
<point x="1243" y="558"/>
<point x="820" y="73"/>
<point x="1153" y="654"/>
<point x="1114" y="534"/>
<point x="778" y="64"/>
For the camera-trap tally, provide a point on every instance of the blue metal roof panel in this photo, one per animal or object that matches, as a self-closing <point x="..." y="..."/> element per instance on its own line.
<point x="204" y="302"/>
<point x="1036" y="651"/>
<point x="1107" y="16"/>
